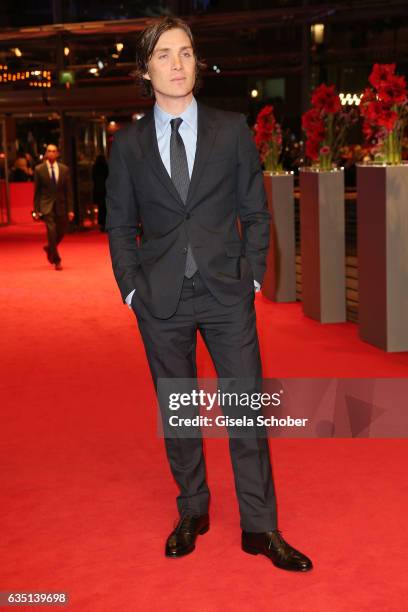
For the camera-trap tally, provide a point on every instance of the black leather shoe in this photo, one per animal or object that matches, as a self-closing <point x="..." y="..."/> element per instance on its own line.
<point x="182" y="539"/>
<point x="272" y="545"/>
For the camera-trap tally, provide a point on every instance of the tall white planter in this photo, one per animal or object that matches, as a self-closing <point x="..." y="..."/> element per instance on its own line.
<point x="322" y="233"/>
<point x="382" y="233"/>
<point x="279" y="282"/>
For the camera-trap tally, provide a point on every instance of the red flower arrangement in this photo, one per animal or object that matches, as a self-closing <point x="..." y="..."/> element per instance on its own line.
<point x="268" y="139"/>
<point x="383" y="107"/>
<point x="324" y="125"/>
<point x="326" y="99"/>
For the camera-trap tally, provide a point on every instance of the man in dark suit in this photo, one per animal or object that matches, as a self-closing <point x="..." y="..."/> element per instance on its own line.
<point x="53" y="201"/>
<point x="185" y="174"/>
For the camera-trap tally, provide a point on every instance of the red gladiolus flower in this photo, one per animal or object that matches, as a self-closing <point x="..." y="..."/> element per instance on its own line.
<point x="265" y="120"/>
<point x="265" y="125"/>
<point x="380" y="74"/>
<point x="394" y="90"/>
<point x="262" y="135"/>
<point x="265" y="112"/>
<point x="373" y="110"/>
<point x="368" y="131"/>
<point x="267" y="134"/>
<point x="325" y="98"/>
<point x="382" y="108"/>
<point x="312" y="122"/>
<point x="263" y="151"/>
<point x="367" y="97"/>
<point x="388" y="118"/>
<point x="324" y="125"/>
<point x="312" y="149"/>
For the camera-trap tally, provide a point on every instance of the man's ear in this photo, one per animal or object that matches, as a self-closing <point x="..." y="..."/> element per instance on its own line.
<point x="146" y="76"/>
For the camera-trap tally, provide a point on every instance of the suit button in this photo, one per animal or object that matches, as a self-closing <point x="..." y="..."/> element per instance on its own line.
<point x="185" y="250"/>
<point x="187" y="215"/>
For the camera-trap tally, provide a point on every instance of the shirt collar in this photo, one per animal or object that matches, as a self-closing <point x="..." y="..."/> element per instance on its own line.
<point x="189" y="116"/>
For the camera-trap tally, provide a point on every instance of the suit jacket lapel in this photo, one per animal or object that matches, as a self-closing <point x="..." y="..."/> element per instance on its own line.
<point x="46" y="174"/>
<point x="148" y="143"/>
<point x="61" y="175"/>
<point x="206" y="132"/>
<point x="48" y="177"/>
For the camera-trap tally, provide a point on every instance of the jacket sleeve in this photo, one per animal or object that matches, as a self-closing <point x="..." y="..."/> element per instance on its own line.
<point x="122" y="221"/>
<point x="37" y="191"/>
<point x="251" y="202"/>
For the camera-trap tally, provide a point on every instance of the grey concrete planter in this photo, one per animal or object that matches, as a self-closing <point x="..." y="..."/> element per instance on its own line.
<point x="382" y="233"/>
<point x="279" y="283"/>
<point x="322" y="232"/>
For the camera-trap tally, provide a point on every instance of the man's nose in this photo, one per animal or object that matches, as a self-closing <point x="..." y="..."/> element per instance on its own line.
<point x="176" y="63"/>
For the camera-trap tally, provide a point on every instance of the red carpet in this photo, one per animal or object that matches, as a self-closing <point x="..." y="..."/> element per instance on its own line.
<point x="87" y="498"/>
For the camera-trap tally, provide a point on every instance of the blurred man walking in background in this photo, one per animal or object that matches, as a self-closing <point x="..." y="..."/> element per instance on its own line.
<point x="53" y="201"/>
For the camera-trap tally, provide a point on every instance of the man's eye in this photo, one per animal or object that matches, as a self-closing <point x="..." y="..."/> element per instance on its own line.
<point x="163" y="56"/>
<point x="187" y="54"/>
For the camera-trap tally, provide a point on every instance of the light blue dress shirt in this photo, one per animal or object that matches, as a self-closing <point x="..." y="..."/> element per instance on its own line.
<point x="188" y="132"/>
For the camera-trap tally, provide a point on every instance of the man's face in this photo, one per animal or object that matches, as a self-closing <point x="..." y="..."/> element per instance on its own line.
<point x="51" y="153"/>
<point x="172" y="67"/>
<point x="21" y="163"/>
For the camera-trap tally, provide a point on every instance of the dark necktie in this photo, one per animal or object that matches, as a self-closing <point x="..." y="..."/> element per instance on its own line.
<point x="53" y="178"/>
<point x="181" y="179"/>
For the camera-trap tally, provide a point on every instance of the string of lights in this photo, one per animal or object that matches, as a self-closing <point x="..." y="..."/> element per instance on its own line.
<point x="34" y="78"/>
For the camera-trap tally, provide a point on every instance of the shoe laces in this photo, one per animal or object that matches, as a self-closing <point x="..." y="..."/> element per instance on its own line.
<point x="277" y="540"/>
<point x="184" y="524"/>
<point x="281" y="545"/>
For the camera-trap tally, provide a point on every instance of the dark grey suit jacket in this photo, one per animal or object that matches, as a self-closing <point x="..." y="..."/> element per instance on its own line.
<point x="47" y="198"/>
<point x="226" y="185"/>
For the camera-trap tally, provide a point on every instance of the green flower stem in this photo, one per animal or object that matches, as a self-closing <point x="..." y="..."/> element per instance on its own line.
<point x="271" y="160"/>
<point x="393" y="145"/>
<point x="325" y="160"/>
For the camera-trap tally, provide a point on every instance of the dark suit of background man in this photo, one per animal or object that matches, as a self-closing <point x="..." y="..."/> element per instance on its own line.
<point x="185" y="173"/>
<point x="53" y="201"/>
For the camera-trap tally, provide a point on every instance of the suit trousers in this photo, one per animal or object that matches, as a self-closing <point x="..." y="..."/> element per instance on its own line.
<point x="56" y="228"/>
<point x="230" y="335"/>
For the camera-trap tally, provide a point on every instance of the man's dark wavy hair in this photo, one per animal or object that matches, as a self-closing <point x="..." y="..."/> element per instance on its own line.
<point x="147" y="42"/>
